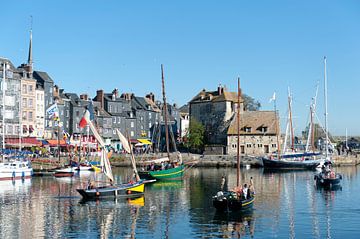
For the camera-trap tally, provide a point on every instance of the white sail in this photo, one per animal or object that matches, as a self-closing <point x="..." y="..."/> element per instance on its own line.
<point x="105" y="163"/>
<point x="124" y="141"/>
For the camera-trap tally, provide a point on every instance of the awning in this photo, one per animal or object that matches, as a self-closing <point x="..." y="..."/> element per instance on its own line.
<point x="160" y="160"/>
<point x="54" y="142"/>
<point x="144" y="141"/>
<point x="134" y="141"/>
<point x="25" y="142"/>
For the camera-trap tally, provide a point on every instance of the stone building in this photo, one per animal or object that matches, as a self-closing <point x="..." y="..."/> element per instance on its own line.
<point x="258" y="133"/>
<point x="184" y="120"/>
<point x="214" y="110"/>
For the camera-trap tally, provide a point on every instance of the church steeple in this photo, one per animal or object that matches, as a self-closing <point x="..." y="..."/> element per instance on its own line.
<point x="30" y="57"/>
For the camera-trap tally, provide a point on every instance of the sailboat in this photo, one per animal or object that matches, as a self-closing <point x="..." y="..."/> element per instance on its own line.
<point x="11" y="169"/>
<point x="327" y="177"/>
<point x="235" y="200"/>
<point x="176" y="169"/>
<point x="92" y="191"/>
<point x="289" y="159"/>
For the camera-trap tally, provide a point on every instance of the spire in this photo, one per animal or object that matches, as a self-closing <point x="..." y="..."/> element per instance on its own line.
<point x="30" y="58"/>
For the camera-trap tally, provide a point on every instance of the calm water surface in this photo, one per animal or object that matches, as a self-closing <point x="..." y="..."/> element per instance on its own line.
<point x="287" y="206"/>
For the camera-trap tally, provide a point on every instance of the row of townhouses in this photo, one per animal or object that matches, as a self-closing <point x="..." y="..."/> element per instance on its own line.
<point x="28" y="93"/>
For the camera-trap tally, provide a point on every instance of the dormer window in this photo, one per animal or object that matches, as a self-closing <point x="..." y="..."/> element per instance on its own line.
<point x="247" y="129"/>
<point x="264" y="129"/>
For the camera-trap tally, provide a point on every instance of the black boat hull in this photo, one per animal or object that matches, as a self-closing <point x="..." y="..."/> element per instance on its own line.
<point x="124" y="190"/>
<point x="283" y="164"/>
<point x="229" y="202"/>
<point x="327" y="182"/>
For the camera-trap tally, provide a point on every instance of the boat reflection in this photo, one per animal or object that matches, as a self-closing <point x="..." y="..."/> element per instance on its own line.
<point x="235" y="225"/>
<point x="167" y="185"/>
<point x="15" y="186"/>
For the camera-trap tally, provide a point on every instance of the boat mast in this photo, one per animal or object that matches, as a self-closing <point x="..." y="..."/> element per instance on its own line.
<point x="165" y="112"/>
<point x="277" y="128"/>
<point x="326" y="111"/>
<point x="291" y="124"/>
<point x="311" y="134"/>
<point x="238" y="136"/>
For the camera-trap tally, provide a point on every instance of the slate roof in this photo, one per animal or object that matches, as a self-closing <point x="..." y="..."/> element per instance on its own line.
<point x="42" y="77"/>
<point x="255" y="120"/>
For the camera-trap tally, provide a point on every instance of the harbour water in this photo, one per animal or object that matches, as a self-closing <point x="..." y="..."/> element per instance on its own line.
<point x="287" y="205"/>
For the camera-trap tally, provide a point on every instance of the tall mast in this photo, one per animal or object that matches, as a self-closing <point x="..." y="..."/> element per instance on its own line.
<point x="311" y="134"/>
<point x="30" y="56"/>
<point x="290" y="121"/>
<point x="326" y="111"/>
<point x="165" y="112"/>
<point x="238" y="136"/>
<point x="277" y="127"/>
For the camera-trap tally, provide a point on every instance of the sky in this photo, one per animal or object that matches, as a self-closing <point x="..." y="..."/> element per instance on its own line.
<point x="271" y="45"/>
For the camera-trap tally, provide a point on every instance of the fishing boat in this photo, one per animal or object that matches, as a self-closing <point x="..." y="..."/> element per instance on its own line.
<point x="64" y="172"/>
<point x="237" y="199"/>
<point x="164" y="168"/>
<point x="14" y="170"/>
<point x="327" y="177"/>
<point x="289" y="158"/>
<point x="103" y="189"/>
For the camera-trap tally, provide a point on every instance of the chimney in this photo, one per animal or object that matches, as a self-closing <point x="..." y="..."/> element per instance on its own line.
<point x="220" y="90"/>
<point x="116" y="92"/>
<point x="150" y="96"/>
<point x="56" y="91"/>
<point x="84" y="97"/>
<point x="100" y="97"/>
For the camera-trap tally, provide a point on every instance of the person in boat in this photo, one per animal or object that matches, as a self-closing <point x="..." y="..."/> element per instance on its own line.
<point x="222" y="183"/>
<point x="245" y="191"/>
<point x="251" y="185"/>
<point x="91" y="185"/>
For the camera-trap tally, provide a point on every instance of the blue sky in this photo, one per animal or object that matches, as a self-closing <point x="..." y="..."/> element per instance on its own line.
<point x="90" y="45"/>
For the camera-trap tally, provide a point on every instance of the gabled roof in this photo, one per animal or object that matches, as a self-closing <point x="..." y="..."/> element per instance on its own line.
<point x="255" y="120"/>
<point x="42" y="77"/>
<point x="184" y="109"/>
<point x="214" y="96"/>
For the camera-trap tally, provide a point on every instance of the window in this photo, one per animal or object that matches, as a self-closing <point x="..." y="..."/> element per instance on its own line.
<point x="30" y="103"/>
<point x="24" y="115"/>
<point x="264" y="129"/>
<point x="259" y="145"/>
<point x="30" y="115"/>
<point x="119" y="120"/>
<point x="248" y="129"/>
<point x="149" y="115"/>
<point x="132" y="124"/>
<point x="248" y="145"/>
<point x="30" y="88"/>
<point x="114" y="120"/>
<point x="131" y="133"/>
<point x="24" y="89"/>
<point x="77" y="113"/>
<point x="24" y="102"/>
<point x="37" y="96"/>
<point x="114" y="132"/>
<point x="67" y="113"/>
<point x="110" y="108"/>
<point x="273" y="145"/>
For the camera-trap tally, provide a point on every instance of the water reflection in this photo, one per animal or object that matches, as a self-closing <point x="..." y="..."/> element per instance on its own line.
<point x="287" y="205"/>
<point x="235" y="225"/>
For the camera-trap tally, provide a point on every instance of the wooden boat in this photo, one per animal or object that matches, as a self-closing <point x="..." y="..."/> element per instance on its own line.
<point x="14" y="170"/>
<point x="177" y="169"/>
<point x="125" y="190"/>
<point x="64" y="172"/>
<point x="91" y="191"/>
<point x="235" y="200"/>
<point x="328" y="181"/>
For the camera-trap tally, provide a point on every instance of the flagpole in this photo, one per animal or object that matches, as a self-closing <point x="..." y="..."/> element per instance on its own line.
<point x="3" y="110"/>
<point x="88" y="146"/>
<point x="58" y="141"/>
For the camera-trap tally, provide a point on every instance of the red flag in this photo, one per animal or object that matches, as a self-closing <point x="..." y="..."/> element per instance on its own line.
<point x="85" y="119"/>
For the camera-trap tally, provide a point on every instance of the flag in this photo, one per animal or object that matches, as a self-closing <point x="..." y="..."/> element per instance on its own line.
<point x="85" y="119"/>
<point x="91" y="111"/>
<point x="53" y="111"/>
<point x="273" y="98"/>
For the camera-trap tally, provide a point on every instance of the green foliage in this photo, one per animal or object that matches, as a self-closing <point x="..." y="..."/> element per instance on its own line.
<point x="250" y="103"/>
<point x="195" y="135"/>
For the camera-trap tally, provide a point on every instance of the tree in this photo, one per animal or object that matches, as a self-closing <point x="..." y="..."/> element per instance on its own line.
<point x="250" y="103"/>
<point x="319" y="133"/>
<point x="195" y="135"/>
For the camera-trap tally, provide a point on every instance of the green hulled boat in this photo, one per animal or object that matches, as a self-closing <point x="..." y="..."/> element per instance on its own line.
<point x="169" y="174"/>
